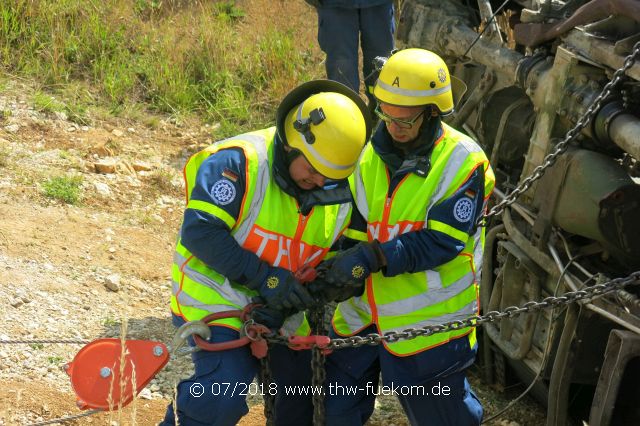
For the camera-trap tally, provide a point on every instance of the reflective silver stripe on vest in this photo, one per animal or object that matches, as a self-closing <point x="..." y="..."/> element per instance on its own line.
<point x="263" y="177"/>
<point x="224" y="289"/>
<point x="292" y="323"/>
<point x="315" y="154"/>
<point x="185" y="300"/>
<point x="461" y="152"/>
<point x="464" y="313"/>
<point x="413" y="93"/>
<point x="361" y="194"/>
<point x="342" y="216"/>
<point x="431" y="297"/>
<point x="349" y="309"/>
<point x="478" y="252"/>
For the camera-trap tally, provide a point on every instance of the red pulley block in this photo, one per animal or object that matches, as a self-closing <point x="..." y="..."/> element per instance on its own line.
<point x="96" y="371"/>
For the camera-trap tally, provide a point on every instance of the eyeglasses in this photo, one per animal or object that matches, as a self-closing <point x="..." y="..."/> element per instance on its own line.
<point x="403" y="124"/>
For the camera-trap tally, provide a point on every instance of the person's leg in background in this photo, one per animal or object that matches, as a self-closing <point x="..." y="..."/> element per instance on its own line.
<point x="338" y="35"/>
<point x="205" y="398"/>
<point x="377" y="30"/>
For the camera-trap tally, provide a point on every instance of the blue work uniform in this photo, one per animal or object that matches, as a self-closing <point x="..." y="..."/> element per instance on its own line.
<point x="216" y="393"/>
<point x="431" y="385"/>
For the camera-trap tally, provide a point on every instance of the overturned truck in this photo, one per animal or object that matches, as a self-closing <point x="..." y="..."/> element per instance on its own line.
<point x="534" y="69"/>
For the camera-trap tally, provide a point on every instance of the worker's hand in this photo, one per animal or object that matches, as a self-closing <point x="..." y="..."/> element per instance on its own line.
<point x="279" y="289"/>
<point x="269" y="317"/>
<point x="350" y="268"/>
<point x="324" y="292"/>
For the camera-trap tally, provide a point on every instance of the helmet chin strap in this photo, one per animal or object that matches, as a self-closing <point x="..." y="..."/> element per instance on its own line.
<point x="291" y="155"/>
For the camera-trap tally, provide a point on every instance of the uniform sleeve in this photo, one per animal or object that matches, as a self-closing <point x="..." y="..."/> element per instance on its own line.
<point x="220" y="185"/>
<point x="450" y="223"/>
<point x="213" y="210"/>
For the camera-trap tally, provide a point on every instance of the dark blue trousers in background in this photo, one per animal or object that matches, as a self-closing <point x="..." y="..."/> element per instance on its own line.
<point x="342" y="30"/>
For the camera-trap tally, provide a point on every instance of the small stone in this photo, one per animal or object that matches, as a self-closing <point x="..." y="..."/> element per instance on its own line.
<point x="131" y="130"/>
<point x="12" y="128"/>
<point x="145" y="393"/>
<point x="61" y="115"/>
<point x="141" y="166"/>
<point x="102" y="189"/>
<point x="157" y="218"/>
<point x="106" y="166"/>
<point x="71" y="129"/>
<point x="118" y="133"/>
<point x="112" y="282"/>
<point x="16" y="303"/>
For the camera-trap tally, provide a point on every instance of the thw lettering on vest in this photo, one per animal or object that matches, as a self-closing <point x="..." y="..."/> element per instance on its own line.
<point x="276" y="249"/>
<point x="385" y="232"/>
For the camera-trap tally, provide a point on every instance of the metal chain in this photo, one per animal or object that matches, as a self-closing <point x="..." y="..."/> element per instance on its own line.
<point x="562" y="146"/>
<point x="266" y="377"/>
<point x="509" y="312"/>
<point x="317" y="367"/>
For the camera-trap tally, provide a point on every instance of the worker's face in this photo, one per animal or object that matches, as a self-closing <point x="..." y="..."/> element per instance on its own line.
<point x="304" y="175"/>
<point x="403" y="123"/>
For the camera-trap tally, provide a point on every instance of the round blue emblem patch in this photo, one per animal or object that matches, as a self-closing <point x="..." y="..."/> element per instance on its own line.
<point x="462" y="210"/>
<point x="223" y="192"/>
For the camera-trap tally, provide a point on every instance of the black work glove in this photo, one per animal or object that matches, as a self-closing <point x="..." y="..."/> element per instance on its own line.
<point x="270" y="317"/>
<point x="350" y="268"/>
<point x="325" y="292"/>
<point x="279" y="289"/>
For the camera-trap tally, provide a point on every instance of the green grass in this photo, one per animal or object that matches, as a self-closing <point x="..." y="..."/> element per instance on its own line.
<point x="55" y="359"/>
<point x="45" y="103"/>
<point x="210" y="58"/>
<point x="63" y="188"/>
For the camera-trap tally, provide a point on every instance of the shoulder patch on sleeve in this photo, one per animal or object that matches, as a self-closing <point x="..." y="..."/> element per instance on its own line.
<point x="463" y="209"/>
<point x="223" y="192"/>
<point x="229" y="174"/>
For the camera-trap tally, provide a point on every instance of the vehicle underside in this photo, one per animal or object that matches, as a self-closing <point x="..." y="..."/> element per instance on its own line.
<point x="535" y="78"/>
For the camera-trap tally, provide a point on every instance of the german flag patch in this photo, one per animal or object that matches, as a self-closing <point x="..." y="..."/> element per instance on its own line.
<point x="232" y="176"/>
<point x="470" y="193"/>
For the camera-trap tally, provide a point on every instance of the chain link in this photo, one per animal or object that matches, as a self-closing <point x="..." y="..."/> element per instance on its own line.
<point x="265" y="376"/>
<point x="562" y="146"/>
<point x="317" y="367"/>
<point x="509" y="312"/>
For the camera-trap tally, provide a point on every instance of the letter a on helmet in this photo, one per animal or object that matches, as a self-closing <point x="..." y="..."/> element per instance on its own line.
<point x="416" y="77"/>
<point x="328" y="123"/>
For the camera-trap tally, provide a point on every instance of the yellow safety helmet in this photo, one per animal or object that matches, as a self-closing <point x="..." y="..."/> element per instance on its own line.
<point x="328" y="123"/>
<point x="415" y="77"/>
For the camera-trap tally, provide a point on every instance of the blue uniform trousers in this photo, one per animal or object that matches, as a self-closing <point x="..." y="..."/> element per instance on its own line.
<point x="340" y="30"/>
<point x="431" y="385"/>
<point x="216" y="393"/>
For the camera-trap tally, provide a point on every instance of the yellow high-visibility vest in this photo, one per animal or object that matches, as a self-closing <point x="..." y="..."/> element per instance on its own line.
<point x="269" y="224"/>
<point x="413" y="300"/>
